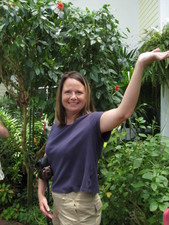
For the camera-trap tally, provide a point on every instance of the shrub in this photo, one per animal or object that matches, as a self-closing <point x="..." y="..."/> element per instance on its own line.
<point x="11" y="151"/>
<point x="6" y="194"/>
<point x="134" y="179"/>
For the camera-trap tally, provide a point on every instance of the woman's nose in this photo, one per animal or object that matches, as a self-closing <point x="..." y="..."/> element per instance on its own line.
<point x="73" y="96"/>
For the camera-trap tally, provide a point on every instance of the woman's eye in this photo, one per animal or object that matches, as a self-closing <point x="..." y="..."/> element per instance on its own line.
<point x="67" y="92"/>
<point x="78" y="92"/>
<point x="71" y="93"/>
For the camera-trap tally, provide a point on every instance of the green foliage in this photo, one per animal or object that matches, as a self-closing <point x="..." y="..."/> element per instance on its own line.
<point x="19" y="211"/>
<point x="32" y="216"/>
<point x="11" y="151"/>
<point x="6" y="194"/>
<point x="23" y="215"/>
<point x="93" y="47"/>
<point x="55" y="41"/>
<point x="12" y="212"/>
<point x="134" y="179"/>
<point x="157" y="73"/>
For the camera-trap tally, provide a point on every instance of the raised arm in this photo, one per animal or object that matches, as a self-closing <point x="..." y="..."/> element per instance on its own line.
<point x="114" y="117"/>
<point x="3" y="132"/>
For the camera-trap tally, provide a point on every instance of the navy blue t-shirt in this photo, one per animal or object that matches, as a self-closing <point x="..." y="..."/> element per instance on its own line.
<point x="73" y="152"/>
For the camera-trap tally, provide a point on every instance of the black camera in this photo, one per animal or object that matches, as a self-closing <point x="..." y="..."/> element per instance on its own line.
<point x="44" y="168"/>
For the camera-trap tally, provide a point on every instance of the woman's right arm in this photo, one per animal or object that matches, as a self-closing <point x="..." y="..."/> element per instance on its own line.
<point x="43" y="203"/>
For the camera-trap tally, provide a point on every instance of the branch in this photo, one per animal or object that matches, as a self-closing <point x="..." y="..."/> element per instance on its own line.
<point x="41" y="152"/>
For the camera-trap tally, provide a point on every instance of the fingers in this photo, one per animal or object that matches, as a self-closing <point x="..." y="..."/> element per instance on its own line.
<point x="156" y="50"/>
<point x="147" y="58"/>
<point x="160" y="55"/>
<point x="44" y="207"/>
<point x="49" y="215"/>
<point x="166" y="55"/>
<point x="46" y="212"/>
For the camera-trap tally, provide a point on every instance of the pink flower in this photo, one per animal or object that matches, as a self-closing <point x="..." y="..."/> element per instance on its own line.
<point x="60" y="5"/>
<point x="117" y="88"/>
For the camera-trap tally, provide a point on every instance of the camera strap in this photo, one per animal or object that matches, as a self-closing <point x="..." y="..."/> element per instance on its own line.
<point x="48" y="220"/>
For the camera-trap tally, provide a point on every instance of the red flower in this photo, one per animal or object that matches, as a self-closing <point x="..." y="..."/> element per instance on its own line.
<point x="60" y="5"/>
<point x="117" y="88"/>
<point x="15" y="191"/>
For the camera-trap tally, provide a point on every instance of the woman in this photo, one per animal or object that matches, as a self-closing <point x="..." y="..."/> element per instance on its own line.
<point x="75" y="145"/>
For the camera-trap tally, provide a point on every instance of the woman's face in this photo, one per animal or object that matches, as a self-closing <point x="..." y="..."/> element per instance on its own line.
<point x="73" y="96"/>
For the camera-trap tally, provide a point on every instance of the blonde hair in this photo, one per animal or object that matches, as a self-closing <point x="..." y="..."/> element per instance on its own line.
<point x="60" y="111"/>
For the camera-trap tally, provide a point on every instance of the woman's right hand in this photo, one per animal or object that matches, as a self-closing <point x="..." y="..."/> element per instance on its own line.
<point x="43" y="203"/>
<point x="44" y="207"/>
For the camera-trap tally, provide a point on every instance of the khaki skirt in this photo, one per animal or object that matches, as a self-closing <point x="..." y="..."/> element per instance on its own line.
<point x="77" y="208"/>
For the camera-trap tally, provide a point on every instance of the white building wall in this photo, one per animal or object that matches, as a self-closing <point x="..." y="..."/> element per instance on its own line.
<point x="164" y="12"/>
<point x="165" y="112"/>
<point x="148" y="15"/>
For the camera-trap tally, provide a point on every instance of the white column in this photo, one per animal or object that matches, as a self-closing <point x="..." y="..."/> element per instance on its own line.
<point x="165" y="111"/>
<point x="164" y="18"/>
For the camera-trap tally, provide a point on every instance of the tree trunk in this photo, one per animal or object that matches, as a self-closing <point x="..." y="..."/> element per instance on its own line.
<point x="27" y="158"/>
<point x="29" y="184"/>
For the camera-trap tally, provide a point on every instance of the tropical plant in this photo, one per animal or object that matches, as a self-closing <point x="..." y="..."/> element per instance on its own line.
<point x="6" y="194"/>
<point x="11" y="149"/>
<point x="157" y="72"/>
<point x="31" y="215"/>
<point x="19" y="211"/>
<point x="18" y="61"/>
<point x="134" y="178"/>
